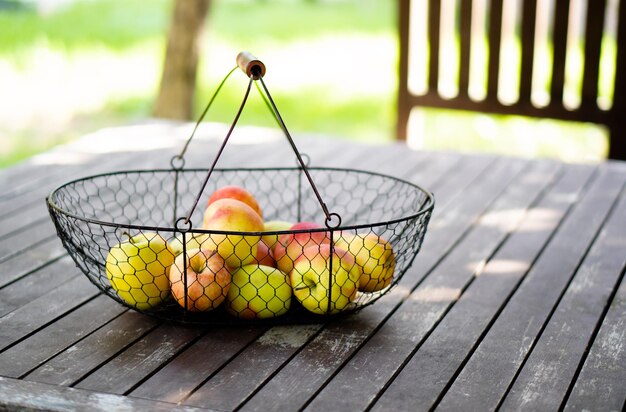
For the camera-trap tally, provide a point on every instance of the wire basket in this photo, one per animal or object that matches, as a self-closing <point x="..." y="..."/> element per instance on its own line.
<point x="268" y="249"/>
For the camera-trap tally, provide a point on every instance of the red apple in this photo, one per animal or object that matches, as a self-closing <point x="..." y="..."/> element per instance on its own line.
<point x="237" y="193"/>
<point x="264" y="255"/>
<point x="231" y="215"/>
<point x="208" y="280"/>
<point x="291" y="245"/>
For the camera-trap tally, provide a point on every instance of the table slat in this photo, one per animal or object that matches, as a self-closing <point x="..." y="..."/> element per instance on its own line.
<point x="130" y="367"/>
<point x="485" y="378"/>
<point x="178" y="379"/>
<point x="75" y="362"/>
<point x="600" y="384"/>
<point x="29" y="318"/>
<point x="437" y="361"/>
<point x="46" y="343"/>
<point x="550" y="368"/>
<point x="20" y="395"/>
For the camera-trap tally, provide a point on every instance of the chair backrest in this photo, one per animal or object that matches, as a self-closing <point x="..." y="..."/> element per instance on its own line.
<point x="537" y="39"/>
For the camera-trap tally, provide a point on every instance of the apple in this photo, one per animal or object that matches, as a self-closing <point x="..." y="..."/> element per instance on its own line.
<point x="375" y="257"/>
<point x="291" y="245"/>
<point x="138" y="269"/>
<point x="316" y="288"/>
<point x="258" y="292"/>
<point x="274" y="226"/>
<point x="264" y="255"/>
<point x="237" y="193"/>
<point x="233" y="216"/>
<point x="208" y="280"/>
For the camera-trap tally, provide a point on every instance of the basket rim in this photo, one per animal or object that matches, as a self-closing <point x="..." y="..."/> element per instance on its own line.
<point x="426" y="207"/>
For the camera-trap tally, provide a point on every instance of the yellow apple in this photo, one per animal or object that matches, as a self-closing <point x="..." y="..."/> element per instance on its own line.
<point x="138" y="269"/>
<point x="231" y="215"/>
<point x="375" y="257"/>
<point x="208" y="280"/>
<point x="258" y="292"/>
<point x="316" y="288"/>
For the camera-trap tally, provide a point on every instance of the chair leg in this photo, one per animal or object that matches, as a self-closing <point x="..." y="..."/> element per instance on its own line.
<point x="617" y="142"/>
<point x="402" y="122"/>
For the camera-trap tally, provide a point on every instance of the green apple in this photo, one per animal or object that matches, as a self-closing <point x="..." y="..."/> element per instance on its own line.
<point x="375" y="257"/>
<point x="138" y="269"/>
<point x="274" y="226"/>
<point x="316" y="288"/>
<point x="258" y="292"/>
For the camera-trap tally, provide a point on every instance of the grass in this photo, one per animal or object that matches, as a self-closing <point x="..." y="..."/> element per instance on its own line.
<point x="84" y="24"/>
<point x="332" y="68"/>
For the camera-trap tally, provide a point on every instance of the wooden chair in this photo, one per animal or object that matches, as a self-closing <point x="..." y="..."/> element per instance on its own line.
<point x="613" y="117"/>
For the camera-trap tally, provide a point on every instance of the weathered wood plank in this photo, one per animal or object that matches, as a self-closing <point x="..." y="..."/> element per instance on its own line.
<point x="78" y="360"/>
<point x="40" y="186"/>
<point x="26" y="239"/>
<point x="32" y="351"/>
<point x="29" y="396"/>
<point x="31" y="287"/>
<point x="320" y="359"/>
<point x="176" y="380"/>
<point x="34" y="258"/>
<point x="493" y="365"/>
<point x="259" y="361"/>
<point x="600" y="385"/>
<point x="46" y="308"/>
<point x="372" y="366"/>
<point x="131" y="367"/>
<point x="446" y="348"/>
<point x="546" y="376"/>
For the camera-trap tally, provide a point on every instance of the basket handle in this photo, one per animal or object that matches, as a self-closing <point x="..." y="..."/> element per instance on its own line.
<point x="255" y="70"/>
<point x="250" y="65"/>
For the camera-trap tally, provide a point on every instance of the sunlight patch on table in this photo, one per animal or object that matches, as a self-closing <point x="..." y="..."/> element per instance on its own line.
<point x="505" y="267"/>
<point x="436" y="294"/>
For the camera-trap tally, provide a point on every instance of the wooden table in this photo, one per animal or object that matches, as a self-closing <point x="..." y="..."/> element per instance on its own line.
<point x="517" y="299"/>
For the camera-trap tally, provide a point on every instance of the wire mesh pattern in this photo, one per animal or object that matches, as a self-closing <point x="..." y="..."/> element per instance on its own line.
<point x="275" y="245"/>
<point x="269" y="257"/>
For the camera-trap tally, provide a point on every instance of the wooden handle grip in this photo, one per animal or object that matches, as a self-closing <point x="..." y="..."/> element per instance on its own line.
<point x="250" y="65"/>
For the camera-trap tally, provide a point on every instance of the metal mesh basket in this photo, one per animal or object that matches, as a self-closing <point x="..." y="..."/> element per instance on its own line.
<point x="268" y="248"/>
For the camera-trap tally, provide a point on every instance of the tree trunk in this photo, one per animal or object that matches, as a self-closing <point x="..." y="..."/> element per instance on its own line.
<point x="176" y="92"/>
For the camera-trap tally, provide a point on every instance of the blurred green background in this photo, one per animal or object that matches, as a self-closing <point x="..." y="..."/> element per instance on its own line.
<point x="71" y="67"/>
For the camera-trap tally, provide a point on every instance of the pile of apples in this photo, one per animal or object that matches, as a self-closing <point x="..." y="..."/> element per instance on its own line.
<point x="253" y="276"/>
